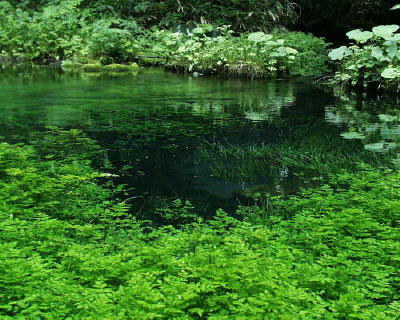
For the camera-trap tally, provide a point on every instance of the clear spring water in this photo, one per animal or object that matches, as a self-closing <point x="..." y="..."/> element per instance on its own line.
<point x="154" y="124"/>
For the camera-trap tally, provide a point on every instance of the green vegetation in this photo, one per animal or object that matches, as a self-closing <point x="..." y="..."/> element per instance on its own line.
<point x="70" y="251"/>
<point x="242" y="15"/>
<point x="255" y="54"/>
<point x="377" y="127"/>
<point x="102" y="229"/>
<point x="372" y="62"/>
<point x="97" y="67"/>
<point x="61" y="31"/>
<point x="318" y="155"/>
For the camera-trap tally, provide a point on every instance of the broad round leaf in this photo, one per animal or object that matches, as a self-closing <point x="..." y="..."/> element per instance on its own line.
<point x="340" y="53"/>
<point x="359" y="36"/>
<point x="259" y="37"/>
<point x="390" y="73"/>
<point x="385" y="32"/>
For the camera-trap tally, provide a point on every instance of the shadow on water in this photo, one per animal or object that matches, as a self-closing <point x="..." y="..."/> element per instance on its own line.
<point x="158" y="131"/>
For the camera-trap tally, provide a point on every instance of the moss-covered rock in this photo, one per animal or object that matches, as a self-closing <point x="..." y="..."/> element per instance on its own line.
<point x="117" y="68"/>
<point x="92" y="67"/>
<point x="71" y="65"/>
<point x="134" y="66"/>
<point x="150" y="61"/>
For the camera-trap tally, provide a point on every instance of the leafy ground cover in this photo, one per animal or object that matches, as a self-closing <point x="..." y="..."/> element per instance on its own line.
<point x="70" y="250"/>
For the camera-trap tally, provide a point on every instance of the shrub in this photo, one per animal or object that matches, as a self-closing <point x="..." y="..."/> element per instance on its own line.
<point x="251" y="55"/>
<point x="372" y="62"/>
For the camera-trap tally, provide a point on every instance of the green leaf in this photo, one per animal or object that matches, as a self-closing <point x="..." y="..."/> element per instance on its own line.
<point x="375" y="147"/>
<point x="359" y="36"/>
<point x="352" y="135"/>
<point x="390" y="73"/>
<point x="386" y="31"/>
<point x="387" y="117"/>
<point x="396" y="7"/>
<point x="259" y="37"/>
<point x="291" y="50"/>
<point x="392" y="50"/>
<point x="377" y="53"/>
<point x="340" y="53"/>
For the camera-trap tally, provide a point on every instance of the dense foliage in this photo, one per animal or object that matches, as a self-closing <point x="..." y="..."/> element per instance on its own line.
<point x="61" y="31"/>
<point x="70" y="251"/>
<point x="373" y="61"/>
<point x="256" y="54"/>
<point x="71" y="246"/>
<point x="242" y="15"/>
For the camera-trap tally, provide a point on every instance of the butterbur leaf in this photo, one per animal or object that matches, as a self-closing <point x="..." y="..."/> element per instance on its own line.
<point x="390" y="73"/>
<point x="375" y="147"/>
<point x="352" y="135"/>
<point x="359" y="36"/>
<point x="396" y="7"/>
<point x="256" y="36"/>
<point x="259" y="37"/>
<point x="392" y="50"/>
<point x="377" y="53"/>
<point x="340" y="53"/>
<point x="387" y="117"/>
<point x="291" y="50"/>
<point x="385" y="32"/>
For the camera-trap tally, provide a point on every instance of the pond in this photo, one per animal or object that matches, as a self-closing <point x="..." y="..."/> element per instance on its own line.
<point x="214" y="142"/>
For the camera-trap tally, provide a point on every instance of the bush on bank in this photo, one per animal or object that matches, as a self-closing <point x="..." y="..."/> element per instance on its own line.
<point x="371" y="62"/>
<point x="59" y="32"/>
<point x="255" y="54"/>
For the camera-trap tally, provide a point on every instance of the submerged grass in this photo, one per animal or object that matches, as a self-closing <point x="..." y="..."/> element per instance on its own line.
<point x="312" y="155"/>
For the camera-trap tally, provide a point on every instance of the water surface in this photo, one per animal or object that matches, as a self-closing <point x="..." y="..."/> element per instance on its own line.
<point x="157" y="125"/>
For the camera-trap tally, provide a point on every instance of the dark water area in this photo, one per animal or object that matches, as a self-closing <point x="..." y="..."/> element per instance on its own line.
<point x="158" y="131"/>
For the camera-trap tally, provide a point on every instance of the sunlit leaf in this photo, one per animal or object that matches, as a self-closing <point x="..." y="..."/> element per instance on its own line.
<point x="390" y="73"/>
<point x="385" y="32"/>
<point x="359" y="36"/>
<point x="352" y="135"/>
<point x="340" y="53"/>
<point x="375" y="147"/>
<point x="259" y="37"/>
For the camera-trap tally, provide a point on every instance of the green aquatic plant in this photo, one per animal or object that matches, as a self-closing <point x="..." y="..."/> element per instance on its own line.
<point x="69" y="250"/>
<point x="315" y="156"/>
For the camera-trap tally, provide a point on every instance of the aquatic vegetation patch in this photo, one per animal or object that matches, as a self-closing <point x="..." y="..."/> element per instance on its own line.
<point x="68" y="250"/>
<point x="315" y="156"/>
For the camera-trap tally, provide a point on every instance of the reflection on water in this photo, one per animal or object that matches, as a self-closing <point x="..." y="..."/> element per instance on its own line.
<point x="376" y="123"/>
<point x="151" y="127"/>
